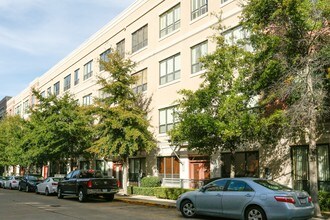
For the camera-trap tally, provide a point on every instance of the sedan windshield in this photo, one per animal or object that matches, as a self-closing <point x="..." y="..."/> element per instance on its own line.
<point x="272" y="185"/>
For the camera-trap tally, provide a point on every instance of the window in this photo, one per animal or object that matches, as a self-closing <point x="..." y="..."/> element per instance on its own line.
<point x="57" y="88"/>
<point x="170" y="21"/>
<point x="169" y="69"/>
<point x="217" y="185"/>
<point x="67" y="82"/>
<point x="196" y="53"/>
<point x="198" y="8"/>
<point x="88" y="70"/>
<point x="76" y="76"/>
<point x="18" y="109"/>
<point x="300" y="168"/>
<point x="246" y="164"/>
<point x="224" y="1"/>
<point x="140" y="39"/>
<point x="237" y="185"/>
<point x="167" y="119"/>
<point x="141" y="83"/>
<point x="43" y="94"/>
<point x="137" y="169"/>
<point x="49" y="91"/>
<point x="233" y="36"/>
<point x="25" y="106"/>
<point x="87" y="100"/>
<point x="85" y="165"/>
<point x="121" y="48"/>
<point x="104" y="57"/>
<point x="168" y="167"/>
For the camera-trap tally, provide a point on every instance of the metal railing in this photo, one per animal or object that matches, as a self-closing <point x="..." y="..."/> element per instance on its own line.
<point x="182" y="183"/>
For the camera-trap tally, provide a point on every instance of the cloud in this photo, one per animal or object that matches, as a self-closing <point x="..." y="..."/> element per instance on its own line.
<point x="35" y="34"/>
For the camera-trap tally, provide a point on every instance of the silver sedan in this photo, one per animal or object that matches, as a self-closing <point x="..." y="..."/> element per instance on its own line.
<point x="246" y="198"/>
<point x="48" y="186"/>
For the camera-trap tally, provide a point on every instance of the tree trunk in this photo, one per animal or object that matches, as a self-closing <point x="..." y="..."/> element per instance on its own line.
<point x="313" y="185"/>
<point x="232" y="163"/>
<point x="125" y="174"/>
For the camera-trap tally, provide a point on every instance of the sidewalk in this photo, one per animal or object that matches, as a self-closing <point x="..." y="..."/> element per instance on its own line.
<point x="145" y="200"/>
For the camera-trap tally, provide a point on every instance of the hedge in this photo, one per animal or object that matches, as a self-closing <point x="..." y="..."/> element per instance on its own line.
<point x="324" y="200"/>
<point x="159" y="192"/>
<point x="150" y="181"/>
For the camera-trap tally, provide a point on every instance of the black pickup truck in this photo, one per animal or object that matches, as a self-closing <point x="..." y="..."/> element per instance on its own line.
<point x="87" y="183"/>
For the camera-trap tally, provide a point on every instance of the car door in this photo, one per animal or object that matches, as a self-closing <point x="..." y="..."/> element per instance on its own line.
<point x="235" y="198"/>
<point x="42" y="186"/>
<point x="208" y="199"/>
<point x="72" y="182"/>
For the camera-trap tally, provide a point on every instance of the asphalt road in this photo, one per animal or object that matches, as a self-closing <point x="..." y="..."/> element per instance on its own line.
<point x="16" y="205"/>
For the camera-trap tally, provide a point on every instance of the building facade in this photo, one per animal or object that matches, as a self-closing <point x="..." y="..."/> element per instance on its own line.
<point x="165" y="38"/>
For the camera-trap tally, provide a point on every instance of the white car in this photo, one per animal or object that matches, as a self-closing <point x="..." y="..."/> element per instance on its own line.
<point x="48" y="186"/>
<point x="12" y="182"/>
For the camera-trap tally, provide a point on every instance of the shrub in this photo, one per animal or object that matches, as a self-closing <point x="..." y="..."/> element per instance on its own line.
<point x="160" y="192"/>
<point x="151" y="181"/>
<point x="324" y="200"/>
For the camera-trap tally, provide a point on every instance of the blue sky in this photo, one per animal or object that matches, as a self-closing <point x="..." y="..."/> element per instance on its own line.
<point x="36" y="34"/>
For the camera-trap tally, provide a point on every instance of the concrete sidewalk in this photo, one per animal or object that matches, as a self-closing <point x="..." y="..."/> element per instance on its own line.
<point x="145" y="200"/>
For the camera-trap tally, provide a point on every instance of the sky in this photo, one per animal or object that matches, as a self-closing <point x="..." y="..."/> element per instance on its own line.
<point x="37" y="34"/>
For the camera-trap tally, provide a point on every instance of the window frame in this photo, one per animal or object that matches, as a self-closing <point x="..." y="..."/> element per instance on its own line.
<point x="120" y="47"/>
<point x="168" y="167"/>
<point x="76" y="76"/>
<point x="141" y="85"/>
<point x="174" y="25"/>
<point x="56" y="88"/>
<point x="88" y="70"/>
<point x="104" y="57"/>
<point x="67" y="82"/>
<point x="199" y="10"/>
<point x="196" y="65"/>
<point x="176" y="73"/>
<point x="168" y="126"/>
<point x="140" y="38"/>
<point x="87" y="100"/>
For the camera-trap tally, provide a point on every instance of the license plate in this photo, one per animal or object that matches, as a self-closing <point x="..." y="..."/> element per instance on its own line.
<point x="104" y="190"/>
<point x="303" y="201"/>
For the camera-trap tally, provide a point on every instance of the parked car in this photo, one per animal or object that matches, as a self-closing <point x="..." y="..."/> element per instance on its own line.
<point x="29" y="182"/>
<point x="87" y="183"/>
<point x="2" y="180"/>
<point x="12" y="182"/>
<point x="246" y="198"/>
<point x="48" y="186"/>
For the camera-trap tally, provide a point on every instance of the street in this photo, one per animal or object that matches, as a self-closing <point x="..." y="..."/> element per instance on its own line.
<point x="16" y="205"/>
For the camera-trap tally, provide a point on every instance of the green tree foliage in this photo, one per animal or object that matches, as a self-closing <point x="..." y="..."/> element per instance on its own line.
<point x="13" y="131"/>
<point x="218" y="115"/>
<point x="122" y="128"/>
<point x="291" y="39"/>
<point x="60" y="129"/>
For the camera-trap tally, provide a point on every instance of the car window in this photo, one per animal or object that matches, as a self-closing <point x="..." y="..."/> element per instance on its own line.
<point x="272" y="185"/>
<point x="75" y="174"/>
<point x="238" y="185"/>
<point x="217" y="185"/>
<point x="57" y="179"/>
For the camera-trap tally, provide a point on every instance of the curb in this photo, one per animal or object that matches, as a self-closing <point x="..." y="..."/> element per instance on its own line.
<point x="144" y="202"/>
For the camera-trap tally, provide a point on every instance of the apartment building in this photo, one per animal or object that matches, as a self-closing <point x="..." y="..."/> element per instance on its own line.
<point x="165" y="38"/>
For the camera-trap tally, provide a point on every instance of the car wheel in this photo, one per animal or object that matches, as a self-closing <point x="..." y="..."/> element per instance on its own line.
<point x="109" y="197"/>
<point x="47" y="192"/>
<point x="59" y="193"/>
<point x="27" y="188"/>
<point x="81" y="195"/>
<point x="255" y="212"/>
<point x="188" y="209"/>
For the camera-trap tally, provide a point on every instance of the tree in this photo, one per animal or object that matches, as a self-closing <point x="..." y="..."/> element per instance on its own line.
<point x="217" y="116"/>
<point x="60" y="129"/>
<point x="292" y="52"/>
<point x="122" y="128"/>
<point x="13" y="131"/>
